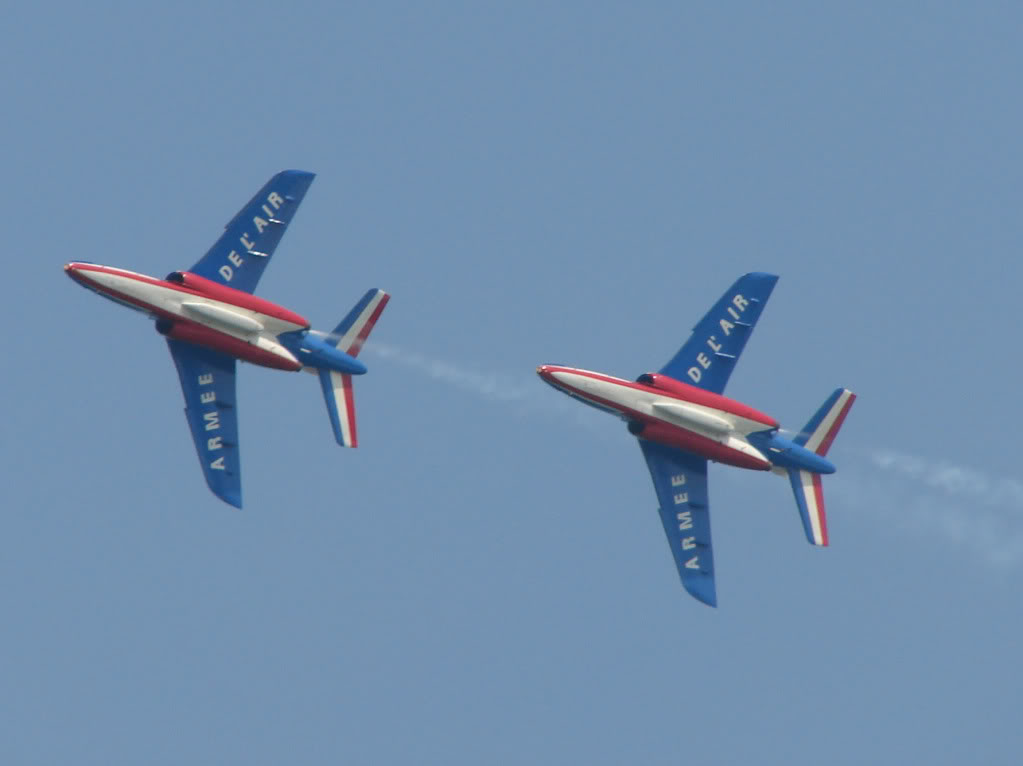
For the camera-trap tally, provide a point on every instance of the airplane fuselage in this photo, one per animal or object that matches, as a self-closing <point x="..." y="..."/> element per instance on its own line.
<point x="196" y="310"/>
<point x="661" y="409"/>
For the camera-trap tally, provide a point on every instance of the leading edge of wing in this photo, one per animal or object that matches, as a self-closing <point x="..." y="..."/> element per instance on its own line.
<point x="680" y="480"/>
<point x="238" y="258"/>
<point x="709" y="355"/>
<point x="208" y="384"/>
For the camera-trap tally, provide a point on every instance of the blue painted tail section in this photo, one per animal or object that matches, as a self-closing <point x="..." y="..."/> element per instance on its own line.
<point x="709" y="356"/>
<point x="241" y="254"/>
<point x="785" y="453"/>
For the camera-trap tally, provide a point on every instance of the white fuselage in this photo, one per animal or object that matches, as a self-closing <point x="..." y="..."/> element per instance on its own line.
<point x="636" y="402"/>
<point x="161" y="298"/>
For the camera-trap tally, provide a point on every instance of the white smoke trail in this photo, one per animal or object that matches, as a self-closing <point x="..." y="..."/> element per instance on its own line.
<point x="954" y="480"/>
<point x="524" y="393"/>
<point x="500" y="388"/>
<point x="951" y="504"/>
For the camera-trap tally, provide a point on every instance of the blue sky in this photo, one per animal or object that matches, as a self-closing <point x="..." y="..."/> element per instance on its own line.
<point x="485" y="579"/>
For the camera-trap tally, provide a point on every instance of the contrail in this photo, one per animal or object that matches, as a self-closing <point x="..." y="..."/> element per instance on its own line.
<point x="953" y="480"/>
<point x="933" y="498"/>
<point x="501" y="388"/>
<point x="523" y="393"/>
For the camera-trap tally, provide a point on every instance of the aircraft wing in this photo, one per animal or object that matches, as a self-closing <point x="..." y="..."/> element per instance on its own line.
<point x="681" y="483"/>
<point x="709" y="356"/>
<point x="238" y="258"/>
<point x="207" y="381"/>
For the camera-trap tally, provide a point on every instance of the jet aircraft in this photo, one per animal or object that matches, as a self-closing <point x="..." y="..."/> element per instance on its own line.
<point x="682" y="421"/>
<point x="211" y="319"/>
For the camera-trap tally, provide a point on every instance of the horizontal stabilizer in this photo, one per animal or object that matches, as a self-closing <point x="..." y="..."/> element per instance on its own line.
<point x="810" y="499"/>
<point x="338" y="394"/>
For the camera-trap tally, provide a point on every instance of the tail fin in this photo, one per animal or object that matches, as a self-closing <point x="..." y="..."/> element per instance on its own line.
<point x="337" y="386"/>
<point x="356" y="327"/>
<point x="822" y="429"/>
<point x="817" y="437"/>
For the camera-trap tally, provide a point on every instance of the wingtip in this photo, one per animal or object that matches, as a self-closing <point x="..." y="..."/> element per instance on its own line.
<point x="704" y="595"/>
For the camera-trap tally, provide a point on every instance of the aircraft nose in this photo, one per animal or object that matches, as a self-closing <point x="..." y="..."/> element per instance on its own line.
<point x="71" y="269"/>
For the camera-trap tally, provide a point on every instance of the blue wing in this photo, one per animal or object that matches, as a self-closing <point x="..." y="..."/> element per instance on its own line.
<point x="207" y="381"/>
<point x="238" y="258"/>
<point x="681" y="483"/>
<point x="709" y="356"/>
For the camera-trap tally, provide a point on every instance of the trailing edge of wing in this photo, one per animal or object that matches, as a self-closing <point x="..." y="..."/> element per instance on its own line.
<point x="207" y="382"/>
<point x="680" y="480"/>
<point x="712" y="351"/>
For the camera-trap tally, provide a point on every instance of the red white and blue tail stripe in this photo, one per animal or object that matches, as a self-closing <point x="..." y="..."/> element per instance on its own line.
<point x="817" y="436"/>
<point x="339" y="396"/>
<point x="810" y="498"/>
<point x="820" y="432"/>
<point x="356" y="327"/>
<point x="349" y="336"/>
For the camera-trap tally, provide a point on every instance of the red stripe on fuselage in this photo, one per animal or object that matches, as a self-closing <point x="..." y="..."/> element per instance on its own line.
<point x="197" y="286"/>
<point x="671" y="435"/>
<point x="90" y="285"/>
<point x="658" y="430"/>
<point x="203" y="335"/>
<point x="675" y="389"/>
